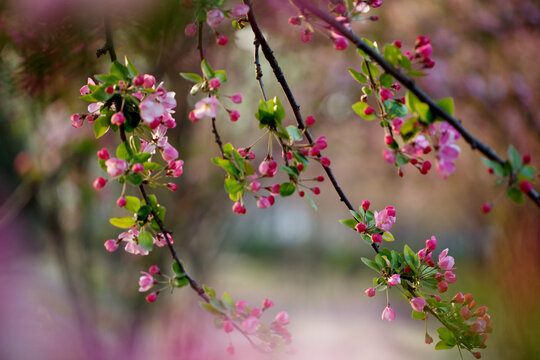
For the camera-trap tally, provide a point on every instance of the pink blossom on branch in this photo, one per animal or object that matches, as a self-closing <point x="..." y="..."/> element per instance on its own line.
<point x="388" y="314"/>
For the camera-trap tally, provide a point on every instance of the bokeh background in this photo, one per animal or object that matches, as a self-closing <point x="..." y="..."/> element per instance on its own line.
<point x="64" y="297"/>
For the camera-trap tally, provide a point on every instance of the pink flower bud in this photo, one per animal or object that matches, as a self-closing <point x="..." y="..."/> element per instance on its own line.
<point x="365" y="204"/>
<point x="421" y="40"/>
<point x="103" y="154"/>
<point x="118" y="119"/>
<point x="116" y="166"/>
<point x="307" y="35"/>
<point x="238" y="208"/>
<point x="255" y="186"/>
<point x="316" y="190"/>
<point x="376" y="3"/>
<point x="450" y="277"/>
<point x="310" y="120"/>
<point x="320" y="178"/>
<point x="340" y="43"/>
<point x="301" y="193"/>
<point x="428" y="339"/>
<point x="465" y="312"/>
<point x="424" y="50"/>
<point x="370" y="292"/>
<point x="267" y="304"/>
<point x="369" y="110"/>
<point x="274" y="189"/>
<point x="525" y="186"/>
<point x="263" y="203"/>
<point x="282" y="318"/>
<point x="152" y="297"/>
<point x="300" y="167"/>
<point x="234" y="115"/>
<point x="240" y="10"/>
<point x="459" y="298"/>
<point x="137" y="168"/>
<point x="228" y="326"/>
<point x="442" y="286"/>
<point x="321" y="142"/>
<point x="486" y="208"/>
<point x="172" y="186"/>
<point x="192" y="117"/>
<point x="314" y="151"/>
<point x="394" y="280"/>
<point x="526" y="159"/>
<point x="154" y="269"/>
<point x="121" y="202"/>
<point x="398" y="44"/>
<point x="111" y="245"/>
<point x="388" y="140"/>
<point x="255" y="312"/>
<point x="360" y="227"/>
<point x="99" y="183"/>
<point x="390" y="211"/>
<point x="477" y="355"/>
<point x="222" y="40"/>
<point x="236" y="98"/>
<point x="481" y="311"/>
<point x="295" y="20"/>
<point x="138" y="80"/>
<point x="325" y="161"/>
<point x="76" y="121"/>
<point x="388" y="314"/>
<point x="109" y="90"/>
<point x="431" y="244"/>
<point x="149" y="81"/>
<point x="339" y="9"/>
<point x="214" y="17"/>
<point x="214" y="83"/>
<point x="468" y="298"/>
<point x="268" y="168"/>
<point x="190" y="30"/>
<point x="376" y="238"/>
<point x="385" y="94"/>
<point x="418" y="304"/>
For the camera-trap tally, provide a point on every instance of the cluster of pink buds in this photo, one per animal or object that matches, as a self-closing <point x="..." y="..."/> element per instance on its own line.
<point x="422" y="51"/>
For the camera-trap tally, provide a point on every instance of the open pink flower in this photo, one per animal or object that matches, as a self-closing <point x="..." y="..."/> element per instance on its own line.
<point x="394" y="280"/>
<point x="116" y="166"/>
<point x="206" y="107"/>
<point x="250" y="324"/>
<point x="446" y="262"/>
<point x="146" y="281"/>
<point x="385" y="219"/>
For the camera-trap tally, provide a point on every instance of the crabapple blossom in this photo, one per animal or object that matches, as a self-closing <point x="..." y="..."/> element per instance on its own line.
<point x="388" y="314"/>
<point x="370" y="292"/>
<point x="267" y="303"/>
<point x="214" y="17"/>
<point x="121" y="202"/>
<point x="152" y="297"/>
<point x="99" y="183"/>
<point x="282" y="318"/>
<point x="240" y="10"/>
<point x="236" y="98"/>
<point x="154" y="269"/>
<point x="376" y="238"/>
<point x="310" y="120"/>
<point x="446" y="262"/>
<point x="146" y="281"/>
<point x="228" y="326"/>
<point x="118" y="119"/>
<point x="103" y="154"/>
<point x="268" y="168"/>
<point x="234" y="115"/>
<point x="111" y="245"/>
<point x="222" y="40"/>
<point x="385" y="218"/>
<point x="190" y="30"/>
<point x="394" y="280"/>
<point x="418" y="304"/>
<point x="116" y="166"/>
<point x="431" y="244"/>
<point x="206" y="107"/>
<point x="250" y="324"/>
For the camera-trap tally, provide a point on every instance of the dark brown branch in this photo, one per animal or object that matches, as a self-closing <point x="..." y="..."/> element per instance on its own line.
<point x="280" y="77"/>
<point x="217" y="137"/>
<point x="407" y="82"/>
<point x="200" y="40"/>
<point x="109" y="44"/>
<point x="258" y="70"/>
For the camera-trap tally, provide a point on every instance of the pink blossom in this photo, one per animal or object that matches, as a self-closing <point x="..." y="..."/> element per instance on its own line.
<point x="385" y="219"/>
<point x="116" y="166"/>
<point x="394" y="280"/>
<point x="282" y="318"/>
<point x="307" y="35"/>
<point x="146" y="281"/>
<point x="103" y="154"/>
<point x="121" y="202"/>
<point x="176" y="167"/>
<point x="370" y="292"/>
<point x="169" y="153"/>
<point x="154" y="269"/>
<point x="267" y="303"/>
<point x="99" y="183"/>
<point x="465" y="312"/>
<point x="446" y="262"/>
<point x="268" y="168"/>
<point x="310" y="120"/>
<point x="385" y="94"/>
<point x="424" y="51"/>
<point x="236" y="98"/>
<point x="340" y="43"/>
<point x="206" y="107"/>
<point x="240" y="10"/>
<point x="376" y="3"/>
<point x="214" y="83"/>
<point x="132" y="246"/>
<point x="388" y="314"/>
<point x="418" y="304"/>
<point x="137" y="168"/>
<point x="138" y="81"/>
<point x="263" y="203"/>
<point x="479" y="326"/>
<point x="149" y="81"/>
<point x="376" y="238"/>
<point x="111" y="245"/>
<point x="151" y="111"/>
<point x="238" y="208"/>
<point x="234" y="115"/>
<point x="242" y="306"/>
<point x="151" y="297"/>
<point x="417" y="146"/>
<point x="76" y="121"/>
<point x="118" y="119"/>
<point x="172" y="186"/>
<point x="442" y="286"/>
<point x="295" y="20"/>
<point x="389" y="156"/>
<point x="228" y="326"/>
<point x="459" y="298"/>
<point x="255" y="186"/>
<point x="190" y="30"/>
<point x="222" y="40"/>
<point x="255" y="312"/>
<point x="214" y="17"/>
<point x="450" y="277"/>
<point x="321" y="142"/>
<point x="230" y="349"/>
<point x="431" y="244"/>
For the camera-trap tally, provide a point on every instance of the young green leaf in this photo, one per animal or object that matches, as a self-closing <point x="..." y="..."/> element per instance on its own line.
<point x="123" y="223"/>
<point x="145" y="240"/>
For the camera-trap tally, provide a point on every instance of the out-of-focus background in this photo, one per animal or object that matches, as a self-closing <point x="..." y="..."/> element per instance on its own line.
<point x="65" y="297"/>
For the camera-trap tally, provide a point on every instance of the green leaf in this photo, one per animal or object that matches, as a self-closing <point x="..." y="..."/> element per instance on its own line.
<point x="441" y="345"/>
<point x="311" y="202"/>
<point x="142" y="157"/>
<point x="233" y="186"/>
<point x="350" y="223"/>
<point x="387" y="236"/>
<point x="373" y="68"/>
<point x="221" y="75"/>
<point x="386" y="80"/>
<point x="279" y="111"/>
<point x="196" y="78"/>
<point x="528" y="172"/>
<point x="447" y="104"/>
<point x="401" y="159"/>
<point x="135" y="179"/>
<point x="179" y="281"/>
<point x="395" y="108"/>
<point x="132" y="204"/>
<point x="107" y="79"/>
<point x="411" y="258"/>
<point x="101" y="126"/>
<point x="122" y="152"/>
<point x="447" y="336"/>
<point x="177" y="270"/>
<point x="286" y="189"/>
<point x="209" y="308"/>
<point x="301" y="158"/>
<point x="294" y="133"/>
<point x="497" y="168"/>
<point x="119" y="70"/>
<point x="143" y="212"/>
<point x="358" y="76"/>
<point x="291" y="170"/>
<point x="515" y="194"/>
<point x="100" y="94"/>
<point x="228" y="165"/>
<point x="418" y="315"/>
<point x="123" y="223"/>
<point x="207" y="70"/>
<point x="145" y="240"/>
<point x="394" y="56"/>
<point x="239" y="160"/>
<point x="515" y="157"/>
<point x="359" y="108"/>
<point x="371" y="264"/>
<point x="416" y="73"/>
<point x="411" y="101"/>
<point x="195" y="89"/>
<point x="356" y="216"/>
<point x="132" y="70"/>
<point x="152" y="166"/>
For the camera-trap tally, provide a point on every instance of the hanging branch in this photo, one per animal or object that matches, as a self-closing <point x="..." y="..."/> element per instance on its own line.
<point x="407" y="82"/>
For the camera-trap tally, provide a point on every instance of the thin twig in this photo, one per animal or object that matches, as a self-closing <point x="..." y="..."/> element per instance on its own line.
<point x="409" y="83"/>
<point x="280" y="77"/>
<point x="258" y="70"/>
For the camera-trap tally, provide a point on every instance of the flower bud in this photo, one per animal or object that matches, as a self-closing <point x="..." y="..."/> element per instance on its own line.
<point x="360" y="227"/>
<point x="310" y="120"/>
<point x="370" y="292"/>
<point x="121" y="202"/>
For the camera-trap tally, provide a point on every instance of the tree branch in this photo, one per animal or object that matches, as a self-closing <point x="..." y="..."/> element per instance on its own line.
<point x="280" y="77"/>
<point x="407" y="82"/>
